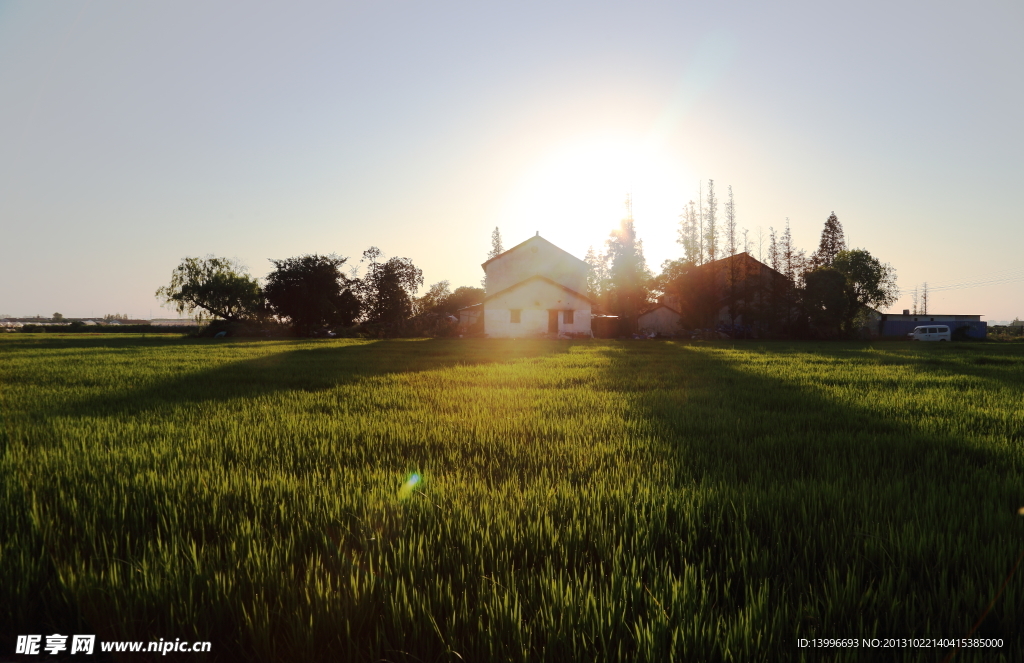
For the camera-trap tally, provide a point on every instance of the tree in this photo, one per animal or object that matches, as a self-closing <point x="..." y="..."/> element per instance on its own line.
<point x="870" y="283"/>
<point x="463" y="296"/>
<point x="57" y="317"/>
<point x="496" y="248"/>
<point x="733" y="274"/>
<point x="924" y="298"/>
<point x="711" y="227"/>
<point x="216" y="287"/>
<point x="312" y="292"/>
<point x="628" y="272"/>
<point x="440" y="300"/>
<point x="730" y="224"/>
<point x="827" y="301"/>
<point x="388" y="288"/>
<point x="597" y="276"/>
<point x="433" y="303"/>
<point x="689" y="234"/>
<point x="832" y="242"/>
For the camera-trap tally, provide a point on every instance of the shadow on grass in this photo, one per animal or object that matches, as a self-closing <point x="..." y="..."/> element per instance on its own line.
<point x="310" y="367"/>
<point x="862" y="522"/>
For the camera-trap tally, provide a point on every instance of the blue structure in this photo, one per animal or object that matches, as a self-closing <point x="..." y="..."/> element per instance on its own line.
<point x="898" y="326"/>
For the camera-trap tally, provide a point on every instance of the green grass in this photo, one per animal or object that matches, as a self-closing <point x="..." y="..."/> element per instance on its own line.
<point x="647" y="501"/>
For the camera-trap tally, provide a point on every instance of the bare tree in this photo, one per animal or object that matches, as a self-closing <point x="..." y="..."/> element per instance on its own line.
<point x="730" y="224"/>
<point x="689" y="232"/>
<point x="786" y="249"/>
<point x="700" y="220"/>
<point x="712" y="223"/>
<point x="774" y="259"/>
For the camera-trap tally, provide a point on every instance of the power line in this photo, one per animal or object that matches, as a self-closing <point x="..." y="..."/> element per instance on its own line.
<point x="1016" y="276"/>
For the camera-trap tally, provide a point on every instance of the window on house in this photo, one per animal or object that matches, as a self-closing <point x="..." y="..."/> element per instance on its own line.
<point x="515" y="314"/>
<point x="567" y="317"/>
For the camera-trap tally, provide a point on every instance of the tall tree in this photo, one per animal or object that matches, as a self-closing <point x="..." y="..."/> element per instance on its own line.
<point x="215" y="287"/>
<point x="496" y="248"/>
<point x="689" y="234"/>
<point x="597" y="276"/>
<point x="627" y="272"/>
<point x="793" y="259"/>
<point x="711" y="225"/>
<point x="730" y="224"/>
<point x="311" y="291"/>
<point x="786" y="250"/>
<point x="832" y="242"/>
<point x="733" y="275"/>
<point x="700" y="222"/>
<point x="774" y="258"/>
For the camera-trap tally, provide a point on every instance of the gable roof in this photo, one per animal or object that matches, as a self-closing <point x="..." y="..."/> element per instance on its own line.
<point x="537" y="277"/>
<point x="655" y="308"/>
<point x="736" y="257"/>
<point x="533" y="240"/>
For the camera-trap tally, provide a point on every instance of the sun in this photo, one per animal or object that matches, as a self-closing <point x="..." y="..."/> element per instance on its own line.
<point x="575" y="194"/>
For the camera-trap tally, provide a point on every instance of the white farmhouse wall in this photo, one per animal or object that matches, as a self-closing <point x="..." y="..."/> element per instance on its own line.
<point x="534" y="299"/>
<point x="535" y="256"/>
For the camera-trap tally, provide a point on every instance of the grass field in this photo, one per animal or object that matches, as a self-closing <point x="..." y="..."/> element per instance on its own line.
<point x="587" y="501"/>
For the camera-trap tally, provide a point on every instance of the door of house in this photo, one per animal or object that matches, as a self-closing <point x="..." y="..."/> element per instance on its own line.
<point x="552" y="322"/>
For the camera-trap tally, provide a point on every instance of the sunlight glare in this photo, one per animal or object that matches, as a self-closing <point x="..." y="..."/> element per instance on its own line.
<point x="576" y="194"/>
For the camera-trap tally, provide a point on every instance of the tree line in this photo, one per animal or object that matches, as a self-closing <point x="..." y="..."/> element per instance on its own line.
<point x="312" y="295"/>
<point x="825" y="294"/>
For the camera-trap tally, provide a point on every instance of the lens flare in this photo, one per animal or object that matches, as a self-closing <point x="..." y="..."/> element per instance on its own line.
<point x="406" y="490"/>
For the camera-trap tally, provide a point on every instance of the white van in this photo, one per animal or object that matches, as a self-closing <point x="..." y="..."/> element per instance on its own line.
<point x="930" y="333"/>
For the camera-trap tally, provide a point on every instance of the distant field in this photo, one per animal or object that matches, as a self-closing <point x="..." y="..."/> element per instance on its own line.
<point x="589" y="500"/>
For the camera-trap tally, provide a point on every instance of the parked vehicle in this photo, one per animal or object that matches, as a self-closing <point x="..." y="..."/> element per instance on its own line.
<point x="930" y="333"/>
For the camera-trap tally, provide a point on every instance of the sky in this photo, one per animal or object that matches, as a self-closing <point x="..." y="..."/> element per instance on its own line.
<point x="133" y="135"/>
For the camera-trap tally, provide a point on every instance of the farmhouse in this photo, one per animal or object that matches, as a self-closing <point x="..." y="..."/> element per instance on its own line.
<point x="730" y="290"/>
<point x="661" y="319"/>
<point x="535" y="289"/>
